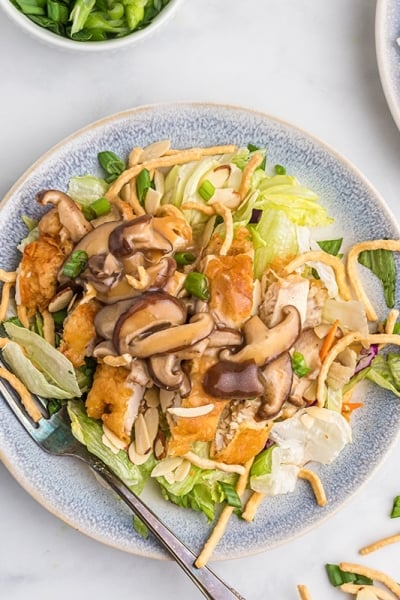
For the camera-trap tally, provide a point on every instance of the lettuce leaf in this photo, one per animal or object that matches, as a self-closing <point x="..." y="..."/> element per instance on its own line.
<point x="273" y="237"/>
<point x="86" y="189"/>
<point x="200" y="490"/>
<point x="90" y="432"/>
<point x="56" y="367"/>
<point x="30" y="376"/>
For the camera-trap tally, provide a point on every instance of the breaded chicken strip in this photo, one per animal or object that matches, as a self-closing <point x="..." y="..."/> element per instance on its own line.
<point x="79" y="332"/>
<point x="110" y="399"/>
<point x="37" y="274"/>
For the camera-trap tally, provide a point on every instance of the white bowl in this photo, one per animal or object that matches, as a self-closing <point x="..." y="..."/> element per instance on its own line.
<point x="50" y="38"/>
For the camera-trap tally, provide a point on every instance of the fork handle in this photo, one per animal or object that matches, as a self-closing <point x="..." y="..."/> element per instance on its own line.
<point x="205" y="579"/>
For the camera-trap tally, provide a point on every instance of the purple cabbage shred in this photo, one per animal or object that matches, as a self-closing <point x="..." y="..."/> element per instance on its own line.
<point x="367" y="356"/>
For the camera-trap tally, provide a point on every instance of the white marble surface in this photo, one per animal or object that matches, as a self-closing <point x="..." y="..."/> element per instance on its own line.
<point x="306" y="61"/>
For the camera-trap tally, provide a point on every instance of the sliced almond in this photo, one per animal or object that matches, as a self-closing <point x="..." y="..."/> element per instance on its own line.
<point x="166" y="399"/>
<point x="152" y="397"/>
<point x="142" y="439"/>
<point x="219" y="175"/>
<point x="196" y="411"/>
<point x="160" y="450"/>
<point x="166" y="466"/>
<point x="109" y="445"/>
<point x="152" y="419"/>
<point x="135" y="457"/>
<point x="227" y="197"/>
<point x="159" y="181"/>
<point x="113" y="439"/>
<point x="155" y="150"/>
<point x="60" y="300"/>
<point x="152" y="201"/>
<point x="182" y="471"/>
<point x="170" y="477"/>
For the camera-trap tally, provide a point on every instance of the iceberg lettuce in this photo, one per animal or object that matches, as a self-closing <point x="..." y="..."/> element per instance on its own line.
<point x="90" y="432"/>
<point x="55" y="367"/>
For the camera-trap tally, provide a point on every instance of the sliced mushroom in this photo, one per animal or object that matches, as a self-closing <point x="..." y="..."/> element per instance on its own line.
<point x="225" y="338"/>
<point x="69" y="213"/>
<point x="138" y="234"/>
<point x="165" y="371"/>
<point x="278" y="376"/>
<point x="96" y="242"/>
<point x="166" y="339"/>
<point x="148" y="312"/>
<point x="107" y="317"/>
<point x="234" y="381"/>
<point x="263" y="344"/>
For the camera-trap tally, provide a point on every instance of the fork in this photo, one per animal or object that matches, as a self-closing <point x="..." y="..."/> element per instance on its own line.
<point x="53" y="434"/>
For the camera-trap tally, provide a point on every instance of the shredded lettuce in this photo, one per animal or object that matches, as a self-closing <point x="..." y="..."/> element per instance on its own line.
<point x="382" y="370"/>
<point x="86" y="189"/>
<point x="56" y="367"/>
<point x="273" y="237"/>
<point x="89" y="432"/>
<point x="200" y="490"/>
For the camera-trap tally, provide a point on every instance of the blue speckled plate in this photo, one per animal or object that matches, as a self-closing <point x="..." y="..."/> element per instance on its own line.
<point x="66" y="487"/>
<point x="387" y="30"/>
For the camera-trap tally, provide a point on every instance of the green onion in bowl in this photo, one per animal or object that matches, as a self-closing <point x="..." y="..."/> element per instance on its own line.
<point x="109" y="23"/>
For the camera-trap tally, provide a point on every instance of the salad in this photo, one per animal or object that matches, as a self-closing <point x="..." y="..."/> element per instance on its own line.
<point x="91" y="20"/>
<point x="200" y="329"/>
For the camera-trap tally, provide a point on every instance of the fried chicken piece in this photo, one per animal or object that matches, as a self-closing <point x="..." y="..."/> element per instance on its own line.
<point x="231" y="288"/>
<point x="186" y="430"/>
<point x="110" y="399"/>
<point x="79" y="332"/>
<point x="37" y="274"/>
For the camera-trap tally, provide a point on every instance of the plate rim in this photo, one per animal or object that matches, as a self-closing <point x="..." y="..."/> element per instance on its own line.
<point x="392" y="99"/>
<point x="354" y="170"/>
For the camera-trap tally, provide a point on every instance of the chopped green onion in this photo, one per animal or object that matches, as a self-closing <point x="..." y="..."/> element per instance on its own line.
<point x="279" y="170"/>
<point x="143" y="184"/>
<point x="197" y="285"/>
<point x="57" y="11"/>
<point x="75" y="264"/>
<point x="116" y="11"/>
<point x="98" y="208"/>
<point x="134" y="14"/>
<point x="101" y="207"/>
<point x="231" y="495"/>
<point x="396" y="508"/>
<point x="206" y="190"/>
<point x="338" y="577"/>
<point x="299" y="365"/>
<point x="111" y="163"/>
<point x="184" y="258"/>
<point x="32" y="7"/>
